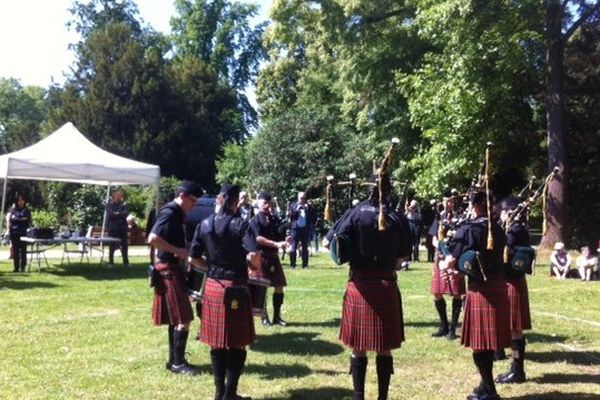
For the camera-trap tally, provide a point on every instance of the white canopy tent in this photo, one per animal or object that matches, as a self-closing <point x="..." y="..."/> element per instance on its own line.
<point x="68" y="156"/>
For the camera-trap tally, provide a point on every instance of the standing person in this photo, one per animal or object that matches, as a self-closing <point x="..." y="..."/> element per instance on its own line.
<point x="429" y="214"/>
<point x="246" y="210"/>
<point x="453" y="285"/>
<point x="372" y="317"/>
<point x="299" y="215"/>
<point x="414" y="222"/>
<point x="261" y="237"/>
<point x="518" y="294"/>
<point x="116" y="213"/>
<point x="227" y="323"/>
<point x="171" y="304"/>
<point x="19" y="220"/>
<point x="486" y="322"/>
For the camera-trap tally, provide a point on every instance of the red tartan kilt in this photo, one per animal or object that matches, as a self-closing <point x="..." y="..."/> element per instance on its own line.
<point x="372" y="315"/>
<point x="271" y="269"/>
<point x="486" y="322"/>
<point x="171" y="304"/>
<point x="223" y="327"/>
<point x="439" y="285"/>
<point x="518" y="300"/>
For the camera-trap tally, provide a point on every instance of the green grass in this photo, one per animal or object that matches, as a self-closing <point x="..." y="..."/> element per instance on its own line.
<point x="85" y="332"/>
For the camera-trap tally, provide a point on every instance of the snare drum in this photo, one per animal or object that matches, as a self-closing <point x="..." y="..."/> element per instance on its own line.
<point x="196" y="279"/>
<point x="258" y="295"/>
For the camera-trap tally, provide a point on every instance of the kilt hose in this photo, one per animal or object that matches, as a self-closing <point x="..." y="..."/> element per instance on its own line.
<point x="440" y="286"/>
<point x="372" y="312"/>
<point x="271" y="269"/>
<point x="518" y="300"/>
<point x="171" y="303"/>
<point x="224" y="327"/>
<point x="486" y="322"/>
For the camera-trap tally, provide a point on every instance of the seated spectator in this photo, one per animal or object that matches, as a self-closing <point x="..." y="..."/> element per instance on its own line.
<point x="586" y="264"/>
<point x="560" y="261"/>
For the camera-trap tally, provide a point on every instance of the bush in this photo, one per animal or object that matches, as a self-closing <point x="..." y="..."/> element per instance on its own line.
<point x="44" y="219"/>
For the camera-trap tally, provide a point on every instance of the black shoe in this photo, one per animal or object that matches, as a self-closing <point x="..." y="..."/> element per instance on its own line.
<point x="237" y="397"/>
<point x="185" y="368"/>
<point x="305" y="266"/>
<point x="451" y="335"/>
<point x="483" y="396"/>
<point x="511" y="377"/>
<point x="265" y="321"/>
<point x="279" y="321"/>
<point x="292" y="266"/>
<point x="441" y="332"/>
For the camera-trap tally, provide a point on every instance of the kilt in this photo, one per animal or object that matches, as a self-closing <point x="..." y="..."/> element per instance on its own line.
<point x="439" y="285"/>
<point x="223" y="327"/>
<point x="171" y="303"/>
<point x="271" y="269"/>
<point x="486" y="322"/>
<point x="372" y="313"/>
<point x="518" y="300"/>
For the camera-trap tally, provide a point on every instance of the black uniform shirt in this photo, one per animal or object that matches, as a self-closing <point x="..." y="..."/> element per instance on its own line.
<point x="371" y="248"/>
<point x="518" y="235"/>
<point x="117" y="216"/>
<point x="219" y="237"/>
<point x="169" y="226"/>
<point x="261" y="225"/>
<point x="473" y="236"/>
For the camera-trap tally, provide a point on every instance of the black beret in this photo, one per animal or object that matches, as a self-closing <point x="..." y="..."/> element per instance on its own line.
<point x="509" y="203"/>
<point x="265" y="196"/>
<point x="191" y="188"/>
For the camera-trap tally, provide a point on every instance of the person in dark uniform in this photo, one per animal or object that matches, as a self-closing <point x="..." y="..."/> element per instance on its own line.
<point x="429" y="215"/>
<point x="301" y="219"/>
<point x="518" y="294"/>
<point x="486" y="322"/>
<point x="171" y="303"/>
<point x="19" y="220"/>
<point x="441" y="231"/>
<point x="227" y="323"/>
<point x="372" y="317"/>
<point x="262" y="237"/>
<point x="116" y="214"/>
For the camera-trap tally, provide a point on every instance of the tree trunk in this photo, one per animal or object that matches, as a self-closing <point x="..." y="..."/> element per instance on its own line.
<point x="556" y="127"/>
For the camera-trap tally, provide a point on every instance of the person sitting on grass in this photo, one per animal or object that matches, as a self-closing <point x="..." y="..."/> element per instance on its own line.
<point x="560" y="261"/>
<point x="586" y="264"/>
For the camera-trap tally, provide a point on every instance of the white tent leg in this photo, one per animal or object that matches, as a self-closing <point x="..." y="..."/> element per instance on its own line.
<point x="104" y="217"/>
<point x="3" y="204"/>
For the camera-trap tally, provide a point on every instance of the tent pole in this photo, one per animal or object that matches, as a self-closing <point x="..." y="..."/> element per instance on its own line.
<point x="104" y="214"/>
<point x="3" y="203"/>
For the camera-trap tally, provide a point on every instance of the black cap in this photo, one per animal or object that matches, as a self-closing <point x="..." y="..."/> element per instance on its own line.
<point x="478" y="197"/>
<point x="191" y="188"/>
<point x="229" y="192"/>
<point x="265" y="196"/>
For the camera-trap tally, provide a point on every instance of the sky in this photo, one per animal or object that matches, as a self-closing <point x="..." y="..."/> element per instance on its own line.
<point x="34" y="38"/>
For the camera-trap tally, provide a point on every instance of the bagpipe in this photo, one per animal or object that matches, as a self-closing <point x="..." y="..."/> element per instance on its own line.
<point x="522" y="257"/>
<point x="341" y="245"/>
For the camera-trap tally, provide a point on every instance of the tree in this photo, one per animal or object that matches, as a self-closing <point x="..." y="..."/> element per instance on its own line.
<point x="563" y="19"/>
<point x="218" y="32"/>
<point x="22" y="111"/>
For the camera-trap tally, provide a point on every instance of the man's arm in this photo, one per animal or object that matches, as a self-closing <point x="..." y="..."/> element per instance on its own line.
<point x="163" y="245"/>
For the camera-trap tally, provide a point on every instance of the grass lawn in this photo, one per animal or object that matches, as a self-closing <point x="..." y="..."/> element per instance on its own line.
<point x="85" y="332"/>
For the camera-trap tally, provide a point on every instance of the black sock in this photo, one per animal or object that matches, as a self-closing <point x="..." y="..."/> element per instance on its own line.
<point x="171" y="344"/>
<point x="277" y="302"/>
<point x="484" y="360"/>
<point x="440" y="306"/>
<point x="179" y="343"/>
<point x="456" y="308"/>
<point x="518" y="345"/>
<point x="358" y="369"/>
<point x="218" y="358"/>
<point x="236" y="358"/>
<point x="385" y="369"/>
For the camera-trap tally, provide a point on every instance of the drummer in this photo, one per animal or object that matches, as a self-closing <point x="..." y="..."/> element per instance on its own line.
<point x="227" y="323"/>
<point x="262" y="234"/>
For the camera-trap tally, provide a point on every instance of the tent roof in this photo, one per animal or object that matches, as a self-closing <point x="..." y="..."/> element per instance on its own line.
<point x="66" y="155"/>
